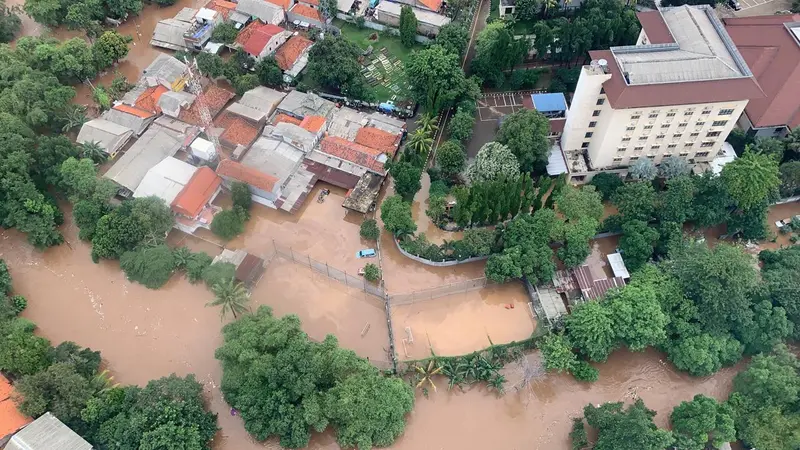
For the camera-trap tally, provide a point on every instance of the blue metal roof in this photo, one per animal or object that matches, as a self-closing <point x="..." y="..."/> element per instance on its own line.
<point x="549" y="102"/>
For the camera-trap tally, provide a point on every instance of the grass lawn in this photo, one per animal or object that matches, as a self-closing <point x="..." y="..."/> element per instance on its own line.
<point x="395" y="49"/>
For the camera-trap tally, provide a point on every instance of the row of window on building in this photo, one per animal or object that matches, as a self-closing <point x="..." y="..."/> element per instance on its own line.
<point x="633" y="158"/>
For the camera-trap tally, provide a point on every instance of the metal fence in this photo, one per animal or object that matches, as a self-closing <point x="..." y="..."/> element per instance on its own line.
<point x="351" y="280"/>
<point x="438" y="291"/>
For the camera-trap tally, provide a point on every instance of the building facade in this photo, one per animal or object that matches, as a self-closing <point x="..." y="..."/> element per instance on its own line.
<point x="678" y="92"/>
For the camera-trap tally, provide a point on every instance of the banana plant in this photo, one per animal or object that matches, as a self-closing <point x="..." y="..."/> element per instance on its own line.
<point x="426" y="374"/>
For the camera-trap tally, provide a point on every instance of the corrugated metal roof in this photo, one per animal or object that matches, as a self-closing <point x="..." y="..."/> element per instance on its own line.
<point x="155" y="144"/>
<point x="120" y="116"/>
<point x="168" y="33"/>
<point x="423" y="16"/>
<point x="111" y="136"/>
<point x="556" y="165"/>
<point x="265" y="11"/>
<point x="47" y="433"/>
<point x="618" y="265"/>
<point x="166" y="179"/>
<point x="262" y="99"/>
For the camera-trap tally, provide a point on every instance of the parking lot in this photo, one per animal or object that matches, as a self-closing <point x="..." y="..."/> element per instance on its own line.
<point x="491" y="107"/>
<point x="747" y="4"/>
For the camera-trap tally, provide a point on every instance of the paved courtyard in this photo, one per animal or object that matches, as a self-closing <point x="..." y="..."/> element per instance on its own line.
<point x="491" y="107"/>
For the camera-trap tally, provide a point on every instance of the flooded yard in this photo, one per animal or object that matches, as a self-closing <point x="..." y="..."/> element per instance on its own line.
<point x="462" y="323"/>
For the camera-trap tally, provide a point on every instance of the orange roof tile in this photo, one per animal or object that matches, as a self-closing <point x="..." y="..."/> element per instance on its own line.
<point x="312" y="123"/>
<point x="433" y="5"/>
<point x="134" y="111"/>
<point x="11" y="419"/>
<point x="256" y="36"/>
<point x="353" y="152"/>
<point x="285" y="4"/>
<point x="215" y="99"/>
<point x="240" y="132"/>
<point x="288" y="53"/>
<point x="286" y="119"/>
<point x="310" y="2"/>
<point x="307" y="11"/>
<point x="222" y="7"/>
<point x="197" y="192"/>
<point x="378" y="139"/>
<point x="148" y="100"/>
<point x="260" y="180"/>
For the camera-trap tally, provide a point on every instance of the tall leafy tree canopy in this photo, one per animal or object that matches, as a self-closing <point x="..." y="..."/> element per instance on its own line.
<point x="525" y="133"/>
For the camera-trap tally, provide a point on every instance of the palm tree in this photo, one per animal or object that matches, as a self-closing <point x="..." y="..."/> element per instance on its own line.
<point x="74" y="117"/>
<point x="94" y="151"/>
<point x="182" y="256"/>
<point x="427" y="123"/>
<point x="426" y="374"/>
<point x="103" y="382"/>
<point x="793" y="140"/>
<point x="547" y="4"/>
<point x="232" y="296"/>
<point x="420" y="142"/>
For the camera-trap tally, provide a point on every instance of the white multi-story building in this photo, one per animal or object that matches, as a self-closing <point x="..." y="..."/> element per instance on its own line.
<point x="678" y="92"/>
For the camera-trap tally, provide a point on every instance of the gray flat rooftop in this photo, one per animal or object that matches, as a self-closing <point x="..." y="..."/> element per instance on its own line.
<point x="702" y="51"/>
<point x="273" y="157"/>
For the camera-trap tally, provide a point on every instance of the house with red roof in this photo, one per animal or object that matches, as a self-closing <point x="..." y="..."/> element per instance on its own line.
<point x="192" y="205"/>
<point x="292" y="57"/>
<point x="11" y="420"/>
<point x="264" y="187"/>
<point x="306" y="13"/>
<point x="261" y="39"/>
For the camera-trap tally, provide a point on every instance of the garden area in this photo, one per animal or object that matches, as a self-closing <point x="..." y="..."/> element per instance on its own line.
<point x="383" y="60"/>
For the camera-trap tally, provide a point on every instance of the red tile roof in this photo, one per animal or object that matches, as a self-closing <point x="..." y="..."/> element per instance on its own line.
<point x="197" y="193"/>
<point x="240" y="132"/>
<point x="256" y="36"/>
<point x="310" y="2"/>
<point x="307" y="11"/>
<point x="134" y="111"/>
<point x="11" y="419"/>
<point x="286" y="119"/>
<point x="774" y="58"/>
<point x="148" y="100"/>
<point x="232" y="169"/>
<point x="378" y="139"/>
<point x="222" y="7"/>
<point x="288" y="53"/>
<point x="312" y="123"/>
<point x="433" y="5"/>
<point x="215" y="99"/>
<point x="621" y="95"/>
<point x="353" y="152"/>
<point x="285" y="4"/>
<point x="655" y="28"/>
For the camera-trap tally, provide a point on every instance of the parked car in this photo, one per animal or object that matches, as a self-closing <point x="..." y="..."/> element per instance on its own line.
<point x="366" y="253"/>
<point x="734" y="4"/>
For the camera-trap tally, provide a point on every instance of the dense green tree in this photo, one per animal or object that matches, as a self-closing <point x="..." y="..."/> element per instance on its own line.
<point x="85" y="361"/>
<point x="637" y="316"/>
<point x="59" y="389"/>
<point x="144" y="219"/>
<point x="240" y="194"/>
<point x="396" y="216"/>
<point x="526" y="253"/>
<point x="120" y="9"/>
<point x="527" y="10"/>
<point x="577" y="204"/>
<point x="525" y="133"/>
<point x="46" y="12"/>
<point x="196" y="265"/>
<point x="578" y="434"/>
<point x="109" y="48"/>
<point x="333" y="63"/>
<point x="751" y="179"/>
<point x="167" y="413"/>
<point x="712" y="203"/>
<point x="10" y="23"/>
<point x="770" y="147"/>
<point x="436" y="77"/>
<point x="790" y="178"/>
<point x="246" y="82"/>
<point x="285" y="385"/>
<point x="705" y="354"/>
<point x="47" y="156"/>
<point x="496" y="51"/>
<point x="557" y="353"/>
<point x="719" y="280"/>
<point x="454" y="38"/>
<point x="22" y="352"/>
<point x="767" y="327"/>
<point x="792" y="141"/>
<point x="218" y="272"/>
<point x="229" y="223"/>
<point x="328" y="8"/>
<point x="635" y="201"/>
<point x="369" y="230"/>
<point x="606" y="184"/>
<point x="224" y="33"/>
<point x="764" y="401"/>
<point x="591" y="330"/>
<point x="781" y="275"/>
<point x="703" y="421"/>
<point x="150" y="266"/>
<point x="619" y="428"/>
<point x="494" y="161"/>
<point x="461" y="125"/>
<point x="451" y="158"/>
<point x="408" y="26"/>
<point x="576" y="241"/>
<point x="406" y="179"/>
<point x="544" y="39"/>
<point x="231" y="296"/>
<point x="675" y="204"/>
<point x="637" y="243"/>
<point x="269" y="73"/>
<point x="5" y="279"/>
